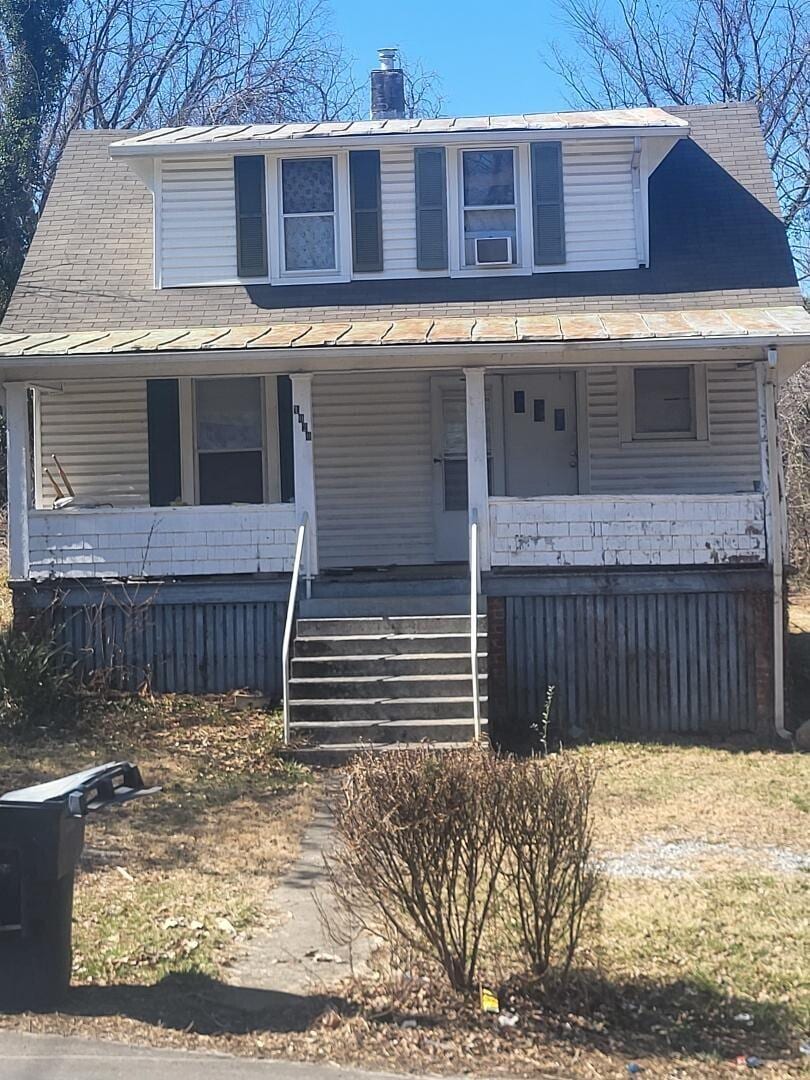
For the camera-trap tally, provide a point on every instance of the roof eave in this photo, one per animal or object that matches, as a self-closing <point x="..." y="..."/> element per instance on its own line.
<point x="340" y="141"/>
<point x="464" y="351"/>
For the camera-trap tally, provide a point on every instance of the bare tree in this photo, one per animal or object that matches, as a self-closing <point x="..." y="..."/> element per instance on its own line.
<point x="142" y="63"/>
<point x="701" y="51"/>
<point x="794" y="422"/>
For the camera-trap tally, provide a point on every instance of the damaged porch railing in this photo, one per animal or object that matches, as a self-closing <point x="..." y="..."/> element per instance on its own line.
<point x="475" y="590"/>
<point x="288" y="625"/>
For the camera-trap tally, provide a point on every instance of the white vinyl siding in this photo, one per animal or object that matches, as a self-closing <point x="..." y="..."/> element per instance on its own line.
<point x="398" y="201"/>
<point x="98" y="431"/>
<point x="729" y="461"/>
<point x="600" y="224"/>
<point x="197" y="222"/>
<point x="373" y="469"/>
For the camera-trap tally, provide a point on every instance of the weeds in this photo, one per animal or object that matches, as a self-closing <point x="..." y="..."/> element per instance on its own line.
<point x="33" y="683"/>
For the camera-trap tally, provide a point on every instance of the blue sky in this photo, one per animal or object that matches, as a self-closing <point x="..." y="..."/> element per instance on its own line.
<point x="489" y="57"/>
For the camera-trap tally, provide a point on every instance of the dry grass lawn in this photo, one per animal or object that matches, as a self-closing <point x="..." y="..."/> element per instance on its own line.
<point x="701" y="954"/>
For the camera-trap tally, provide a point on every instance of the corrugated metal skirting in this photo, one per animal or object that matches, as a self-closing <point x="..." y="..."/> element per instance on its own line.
<point x="194" y="647"/>
<point x="646" y="664"/>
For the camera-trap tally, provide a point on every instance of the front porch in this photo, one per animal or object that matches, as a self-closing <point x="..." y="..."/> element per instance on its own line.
<point x="630" y="568"/>
<point x="388" y="469"/>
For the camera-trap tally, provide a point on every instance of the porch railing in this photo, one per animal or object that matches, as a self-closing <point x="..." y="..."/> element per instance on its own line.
<point x="290" y="622"/>
<point x="475" y="591"/>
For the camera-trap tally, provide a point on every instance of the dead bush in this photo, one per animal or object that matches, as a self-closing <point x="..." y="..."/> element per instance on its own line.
<point x="550" y="878"/>
<point x="429" y="844"/>
<point x="420" y="850"/>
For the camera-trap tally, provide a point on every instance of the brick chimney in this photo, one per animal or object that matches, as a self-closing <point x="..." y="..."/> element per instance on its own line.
<point x="388" y="88"/>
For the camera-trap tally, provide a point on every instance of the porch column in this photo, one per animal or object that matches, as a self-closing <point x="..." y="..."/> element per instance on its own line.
<point x="304" y="465"/>
<point x="477" y="483"/>
<point x="19" y="482"/>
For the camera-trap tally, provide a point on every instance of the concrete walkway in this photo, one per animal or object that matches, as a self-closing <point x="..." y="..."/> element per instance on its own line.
<point x="295" y="953"/>
<point x="51" y="1057"/>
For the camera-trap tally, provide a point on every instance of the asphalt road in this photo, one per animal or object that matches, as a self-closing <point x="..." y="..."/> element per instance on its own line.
<point x="51" y="1057"/>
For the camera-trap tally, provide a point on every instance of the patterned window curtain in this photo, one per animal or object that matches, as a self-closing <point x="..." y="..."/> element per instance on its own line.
<point x="308" y="197"/>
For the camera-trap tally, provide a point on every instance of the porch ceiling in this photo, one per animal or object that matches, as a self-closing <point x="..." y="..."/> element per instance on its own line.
<point x="768" y="324"/>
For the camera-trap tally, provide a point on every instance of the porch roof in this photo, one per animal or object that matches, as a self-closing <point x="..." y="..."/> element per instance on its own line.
<point x="769" y="325"/>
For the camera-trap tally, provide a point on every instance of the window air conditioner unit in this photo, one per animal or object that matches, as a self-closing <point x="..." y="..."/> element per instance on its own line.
<point x="493" y="251"/>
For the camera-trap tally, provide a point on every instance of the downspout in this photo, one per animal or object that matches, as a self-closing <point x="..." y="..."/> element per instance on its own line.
<point x="774" y="497"/>
<point x="638" y="209"/>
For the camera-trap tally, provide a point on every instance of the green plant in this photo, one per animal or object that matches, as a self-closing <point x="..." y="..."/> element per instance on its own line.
<point x="33" y="682"/>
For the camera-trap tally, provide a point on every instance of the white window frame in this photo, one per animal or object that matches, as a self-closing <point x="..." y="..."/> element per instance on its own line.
<point x="629" y="436"/>
<point x="189" y="452"/>
<point x="524" y="248"/>
<point x="279" y="275"/>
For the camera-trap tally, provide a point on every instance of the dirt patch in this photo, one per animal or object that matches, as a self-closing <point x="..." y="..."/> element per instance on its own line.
<point x="659" y="860"/>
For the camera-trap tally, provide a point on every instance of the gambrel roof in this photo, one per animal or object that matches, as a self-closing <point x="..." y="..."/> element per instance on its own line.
<point x="716" y="242"/>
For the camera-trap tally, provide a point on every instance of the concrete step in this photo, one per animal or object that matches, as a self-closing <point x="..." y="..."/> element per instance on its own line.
<point x="340" y="687"/>
<point x="373" y="584"/>
<point x="451" y="730"/>
<point x="389" y="643"/>
<point x="383" y="664"/>
<point x="381" y="709"/>
<point x="384" y="625"/>
<point x="381" y="606"/>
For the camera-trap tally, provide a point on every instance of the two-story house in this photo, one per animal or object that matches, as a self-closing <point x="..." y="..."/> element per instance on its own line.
<point x="483" y="404"/>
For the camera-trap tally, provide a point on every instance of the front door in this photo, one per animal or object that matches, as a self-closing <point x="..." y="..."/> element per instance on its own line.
<point x="449" y="427"/>
<point x="540" y="434"/>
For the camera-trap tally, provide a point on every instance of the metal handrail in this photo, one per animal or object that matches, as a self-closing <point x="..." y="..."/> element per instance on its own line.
<point x="475" y="587"/>
<point x="288" y="625"/>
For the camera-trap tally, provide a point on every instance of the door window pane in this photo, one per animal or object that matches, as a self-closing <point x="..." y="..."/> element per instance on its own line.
<point x="664" y="401"/>
<point x="230" y="441"/>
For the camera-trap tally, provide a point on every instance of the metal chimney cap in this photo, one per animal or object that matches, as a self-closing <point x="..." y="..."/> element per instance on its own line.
<point x="388" y="58"/>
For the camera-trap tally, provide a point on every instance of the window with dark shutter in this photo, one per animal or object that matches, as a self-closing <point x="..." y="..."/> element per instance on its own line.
<point x="547" y="203"/>
<point x="431" y="208"/>
<point x="163" y="430"/>
<point x="251" y="220"/>
<point x="364" y="175"/>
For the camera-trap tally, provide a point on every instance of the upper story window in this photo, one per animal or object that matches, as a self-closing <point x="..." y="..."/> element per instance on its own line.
<point x="308" y="214"/>
<point x="489" y="207"/>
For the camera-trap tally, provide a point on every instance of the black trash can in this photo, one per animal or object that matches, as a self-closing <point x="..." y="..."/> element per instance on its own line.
<point x="41" y="839"/>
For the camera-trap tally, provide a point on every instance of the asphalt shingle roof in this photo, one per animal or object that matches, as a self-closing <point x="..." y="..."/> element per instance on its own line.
<point x="716" y="241"/>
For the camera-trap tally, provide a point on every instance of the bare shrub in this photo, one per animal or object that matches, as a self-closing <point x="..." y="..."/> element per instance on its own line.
<point x="420" y="851"/>
<point x="794" y="422"/>
<point x="464" y="856"/>
<point x="550" y="879"/>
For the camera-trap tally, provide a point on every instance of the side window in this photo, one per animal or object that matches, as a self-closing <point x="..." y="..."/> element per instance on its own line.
<point x="229" y="440"/>
<point x="665" y="402"/>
